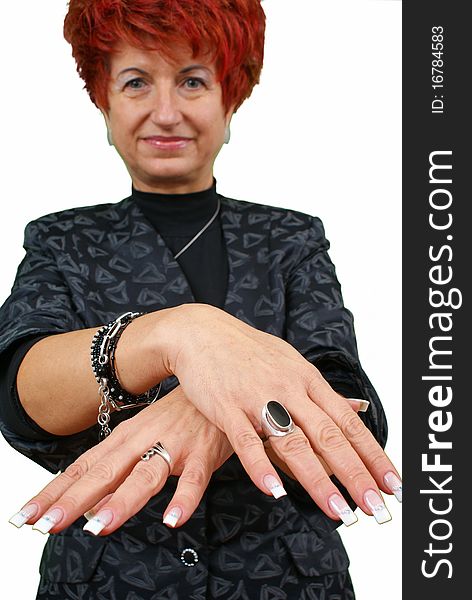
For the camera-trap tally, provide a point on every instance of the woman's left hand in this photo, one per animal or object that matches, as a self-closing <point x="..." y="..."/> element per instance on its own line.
<point x="230" y="370"/>
<point x="112" y="479"/>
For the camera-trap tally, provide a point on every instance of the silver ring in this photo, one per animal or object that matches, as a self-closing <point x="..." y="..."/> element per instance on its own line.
<point x="276" y="420"/>
<point x="159" y="449"/>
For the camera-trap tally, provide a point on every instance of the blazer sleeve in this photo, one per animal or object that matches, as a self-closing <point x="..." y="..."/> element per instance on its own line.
<point x="40" y="304"/>
<point x="322" y="329"/>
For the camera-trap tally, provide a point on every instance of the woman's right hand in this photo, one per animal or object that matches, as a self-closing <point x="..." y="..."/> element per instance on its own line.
<point x="113" y="481"/>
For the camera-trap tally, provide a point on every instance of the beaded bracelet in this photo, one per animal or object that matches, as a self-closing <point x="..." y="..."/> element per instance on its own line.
<point x="102" y="354"/>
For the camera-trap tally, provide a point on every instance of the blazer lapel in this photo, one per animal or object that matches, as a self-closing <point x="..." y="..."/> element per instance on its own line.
<point x="153" y="278"/>
<point x="253" y="288"/>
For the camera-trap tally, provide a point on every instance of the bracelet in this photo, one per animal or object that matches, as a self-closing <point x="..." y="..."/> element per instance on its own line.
<point x="102" y="354"/>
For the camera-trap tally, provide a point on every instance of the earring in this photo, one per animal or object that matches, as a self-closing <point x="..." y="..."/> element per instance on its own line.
<point x="109" y="137"/>
<point x="227" y="134"/>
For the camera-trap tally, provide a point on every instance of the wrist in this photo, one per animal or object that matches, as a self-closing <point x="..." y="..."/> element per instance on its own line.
<point x="142" y="354"/>
<point x="149" y="348"/>
<point x="180" y="329"/>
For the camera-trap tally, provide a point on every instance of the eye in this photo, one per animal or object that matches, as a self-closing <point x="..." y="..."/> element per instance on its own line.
<point x="135" y="84"/>
<point x="194" y="83"/>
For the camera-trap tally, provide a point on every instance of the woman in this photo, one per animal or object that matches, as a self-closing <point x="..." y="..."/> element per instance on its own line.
<point x="168" y="111"/>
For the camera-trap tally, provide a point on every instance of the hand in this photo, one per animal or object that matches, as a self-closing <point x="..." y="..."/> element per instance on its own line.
<point x="356" y="405"/>
<point x="111" y="478"/>
<point x="229" y="370"/>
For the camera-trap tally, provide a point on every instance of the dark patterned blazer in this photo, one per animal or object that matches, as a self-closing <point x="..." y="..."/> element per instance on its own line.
<point x="85" y="266"/>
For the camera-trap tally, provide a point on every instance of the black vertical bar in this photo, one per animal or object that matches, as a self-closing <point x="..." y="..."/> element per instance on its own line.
<point x="437" y="332"/>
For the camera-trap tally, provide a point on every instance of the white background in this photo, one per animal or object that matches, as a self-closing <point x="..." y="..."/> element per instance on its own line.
<point x="320" y="134"/>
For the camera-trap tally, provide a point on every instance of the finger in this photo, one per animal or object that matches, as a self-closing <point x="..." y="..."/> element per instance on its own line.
<point x="283" y="465"/>
<point x="358" y="436"/>
<point x="274" y="459"/>
<point x="39" y="504"/>
<point x="295" y="449"/>
<point x="145" y="480"/>
<point x="333" y="444"/>
<point x="94" y="510"/>
<point x="190" y="489"/>
<point x="358" y="405"/>
<point x="250" y="450"/>
<point x="94" y="483"/>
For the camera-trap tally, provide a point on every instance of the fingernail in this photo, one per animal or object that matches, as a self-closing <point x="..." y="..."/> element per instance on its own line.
<point x="47" y="521"/>
<point x="89" y="515"/>
<point x="274" y="486"/>
<point x="97" y="523"/>
<point x="363" y="404"/>
<point x="25" y="514"/>
<point x="172" y="517"/>
<point x="342" y="509"/>
<point x="377" y="506"/>
<point x="394" y="484"/>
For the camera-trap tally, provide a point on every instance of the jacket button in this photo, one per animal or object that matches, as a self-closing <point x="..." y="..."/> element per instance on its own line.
<point x="189" y="557"/>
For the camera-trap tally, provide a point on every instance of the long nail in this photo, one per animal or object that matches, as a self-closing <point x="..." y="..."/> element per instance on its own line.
<point x="97" y="523"/>
<point x="362" y="405"/>
<point x="49" y="520"/>
<point x="342" y="509"/>
<point x="25" y="514"/>
<point x="394" y="484"/>
<point x="377" y="506"/>
<point x="172" y="517"/>
<point x="274" y="486"/>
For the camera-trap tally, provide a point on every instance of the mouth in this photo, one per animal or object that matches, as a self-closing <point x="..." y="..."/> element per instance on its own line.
<point x="162" y="142"/>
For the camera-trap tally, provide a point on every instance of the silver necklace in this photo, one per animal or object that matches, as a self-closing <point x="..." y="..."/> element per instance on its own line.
<point x="180" y="252"/>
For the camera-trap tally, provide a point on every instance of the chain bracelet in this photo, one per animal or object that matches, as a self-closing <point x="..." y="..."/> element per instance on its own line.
<point x="102" y="356"/>
<point x="104" y="409"/>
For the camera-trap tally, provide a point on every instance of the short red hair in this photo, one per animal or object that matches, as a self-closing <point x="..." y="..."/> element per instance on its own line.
<point x="233" y="31"/>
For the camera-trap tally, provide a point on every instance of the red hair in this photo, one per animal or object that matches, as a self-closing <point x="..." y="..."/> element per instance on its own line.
<point x="232" y="30"/>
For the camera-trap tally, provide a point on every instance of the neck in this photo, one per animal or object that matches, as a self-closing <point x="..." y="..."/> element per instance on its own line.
<point x="173" y="187"/>
<point x="178" y="213"/>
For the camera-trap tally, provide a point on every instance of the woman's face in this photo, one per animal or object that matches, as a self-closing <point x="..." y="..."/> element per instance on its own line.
<point x="166" y="120"/>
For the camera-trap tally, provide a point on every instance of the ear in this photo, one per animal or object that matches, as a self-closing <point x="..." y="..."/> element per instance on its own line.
<point x="108" y="125"/>
<point x="229" y="115"/>
<point x="106" y="117"/>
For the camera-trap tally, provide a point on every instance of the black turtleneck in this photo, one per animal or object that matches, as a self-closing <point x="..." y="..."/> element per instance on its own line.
<point x="177" y="218"/>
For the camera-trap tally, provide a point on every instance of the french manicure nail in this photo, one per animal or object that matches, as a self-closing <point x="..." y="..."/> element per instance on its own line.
<point x="89" y="515"/>
<point x="342" y="509"/>
<point x="274" y="486"/>
<point x="363" y="404"/>
<point x="25" y="514"/>
<point x="172" y="517"/>
<point x="394" y="484"/>
<point x="377" y="506"/>
<point x="49" y="520"/>
<point x="97" y="523"/>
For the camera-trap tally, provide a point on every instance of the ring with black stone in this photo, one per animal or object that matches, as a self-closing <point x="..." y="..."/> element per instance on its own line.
<point x="276" y="420"/>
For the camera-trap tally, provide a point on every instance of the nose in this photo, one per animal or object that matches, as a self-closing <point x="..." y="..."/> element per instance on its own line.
<point x="166" y="111"/>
